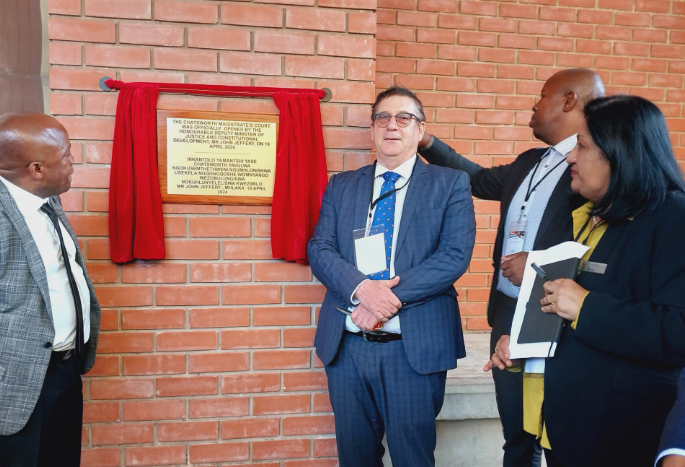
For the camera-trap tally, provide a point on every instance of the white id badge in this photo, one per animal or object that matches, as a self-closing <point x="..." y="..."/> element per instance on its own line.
<point x="515" y="237"/>
<point x="369" y="250"/>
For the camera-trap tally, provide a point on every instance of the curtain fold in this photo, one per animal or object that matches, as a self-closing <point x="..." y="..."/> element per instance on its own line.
<point x="135" y="206"/>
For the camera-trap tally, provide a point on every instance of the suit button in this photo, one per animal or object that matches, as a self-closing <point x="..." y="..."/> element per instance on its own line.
<point x="48" y="345"/>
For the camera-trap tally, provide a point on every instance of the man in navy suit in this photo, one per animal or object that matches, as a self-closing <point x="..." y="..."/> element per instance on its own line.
<point x="420" y="220"/>
<point x="672" y="448"/>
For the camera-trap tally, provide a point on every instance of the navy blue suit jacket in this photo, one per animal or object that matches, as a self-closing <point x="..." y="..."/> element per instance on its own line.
<point x="673" y="436"/>
<point x="434" y="247"/>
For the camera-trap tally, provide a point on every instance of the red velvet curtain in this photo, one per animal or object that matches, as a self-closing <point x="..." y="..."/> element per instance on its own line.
<point x="135" y="222"/>
<point x="301" y="175"/>
<point x="135" y="206"/>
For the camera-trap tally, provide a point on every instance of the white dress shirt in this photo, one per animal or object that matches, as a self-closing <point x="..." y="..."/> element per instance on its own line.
<point x="47" y="241"/>
<point x="404" y="171"/>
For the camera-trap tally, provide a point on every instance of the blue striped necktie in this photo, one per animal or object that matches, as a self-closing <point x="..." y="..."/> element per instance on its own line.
<point x="385" y="215"/>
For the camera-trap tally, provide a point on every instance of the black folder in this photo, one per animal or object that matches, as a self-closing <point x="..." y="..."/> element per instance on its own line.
<point x="537" y="325"/>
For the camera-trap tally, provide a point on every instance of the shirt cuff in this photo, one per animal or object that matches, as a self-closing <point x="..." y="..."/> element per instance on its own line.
<point x="355" y="301"/>
<point x="575" y="321"/>
<point x="669" y="452"/>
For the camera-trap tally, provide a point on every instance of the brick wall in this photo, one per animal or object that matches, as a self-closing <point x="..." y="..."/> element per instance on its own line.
<point x="205" y="358"/>
<point x="479" y="65"/>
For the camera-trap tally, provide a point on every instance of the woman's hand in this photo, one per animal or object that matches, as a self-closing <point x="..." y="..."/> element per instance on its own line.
<point x="500" y="358"/>
<point x="563" y="297"/>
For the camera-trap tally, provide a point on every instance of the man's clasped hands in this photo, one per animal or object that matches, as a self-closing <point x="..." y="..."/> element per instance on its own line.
<point x="377" y="303"/>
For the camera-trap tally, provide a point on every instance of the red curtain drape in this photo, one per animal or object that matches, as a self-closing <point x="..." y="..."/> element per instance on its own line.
<point x="301" y="175"/>
<point x="136" y="225"/>
<point x="135" y="205"/>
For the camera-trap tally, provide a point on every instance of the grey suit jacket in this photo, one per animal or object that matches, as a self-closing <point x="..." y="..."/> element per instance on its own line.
<point x="26" y="328"/>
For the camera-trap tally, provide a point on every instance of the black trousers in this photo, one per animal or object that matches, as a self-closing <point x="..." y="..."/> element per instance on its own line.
<point x="52" y="435"/>
<point x="521" y="449"/>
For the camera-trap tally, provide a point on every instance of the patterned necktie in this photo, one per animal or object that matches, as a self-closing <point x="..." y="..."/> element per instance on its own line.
<point x="79" y="344"/>
<point x="385" y="215"/>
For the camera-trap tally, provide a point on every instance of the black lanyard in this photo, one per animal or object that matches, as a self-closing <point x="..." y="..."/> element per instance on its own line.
<point x="372" y="203"/>
<point x="582" y="229"/>
<point x="530" y="190"/>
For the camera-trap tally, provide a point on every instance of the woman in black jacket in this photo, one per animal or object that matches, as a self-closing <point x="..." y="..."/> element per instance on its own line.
<point x="609" y="387"/>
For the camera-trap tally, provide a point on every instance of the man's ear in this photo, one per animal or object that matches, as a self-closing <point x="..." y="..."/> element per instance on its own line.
<point x="570" y="101"/>
<point x="37" y="170"/>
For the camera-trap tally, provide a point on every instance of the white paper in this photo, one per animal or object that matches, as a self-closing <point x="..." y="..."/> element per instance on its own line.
<point x="554" y="254"/>
<point x="370" y="252"/>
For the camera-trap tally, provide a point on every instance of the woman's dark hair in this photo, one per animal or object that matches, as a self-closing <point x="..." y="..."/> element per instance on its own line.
<point x="399" y="91"/>
<point x="631" y="132"/>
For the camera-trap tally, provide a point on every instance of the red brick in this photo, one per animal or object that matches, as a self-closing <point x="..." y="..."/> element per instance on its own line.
<point x="65" y="104"/>
<point x="303" y="337"/>
<point x="154" y="364"/>
<point x="64" y="7"/>
<point x="219" y="317"/>
<point x="324" y="447"/>
<point x="668" y="51"/>
<point x="322" y="403"/>
<point x="64" y="53"/>
<point x="595" y="17"/>
<point x="416" y="50"/>
<point x="250" y="428"/>
<point x="123" y="342"/>
<point x="156" y="318"/>
<point x="557" y="14"/>
<point x="88" y="128"/>
<point x="89" y="226"/>
<point x="644" y="64"/>
<point x="183" y="59"/>
<point x="670" y="81"/>
<point x="218" y="362"/>
<point x="152" y="76"/>
<point x="517" y="11"/>
<point x="494" y="117"/>
<point x="192" y="249"/>
<point x="496" y="86"/>
<point x="74" y="78"/>
<point x="219" y="452"/>
<point x="283" y="42"/>
<point x="188" y="295"/>
<point x="131" y="9"/>
<point x="436" y="36"/>
<point x="109" y="320"/>
<point x="80" y="30"/>
<point x="360" y="70"/>
<point x="357" y="46"/>
<point x="475" y="101"/>
<point x="218" y="407"/>
<point x="536" y="58"/>
<point x="168" y="35"/>
<point x="250" y="383"/>
<point x="188" y="431"/>
<point x="280" y="449"/>
<point x="156" y="455"/>
<point x="308" y="425"/>
<point x="316" y="67"/>
<point x="496" y="55"/>
<point x="349" y="4"/>
<point x="304" y="293"/>
<point x="281" y="316"/>
<point x="220" y="272"/>
<point x="612" y="63"/>
<point x="477" y="8"/>
<point x="305" y="381"/>
<point x="101" y="104"/>
<point x="631" y="49"/>
<point x="457" y="22"/>
<point x="218" y="38"/>
<point x="250" y="63"/>
<point x="477" y="38"/>
<point x="515" y="41"/>
<point x="668" y="21"/>
<point x="154" y="410"/>
<point x="101" y="457"/>
<point x="127" y="433"/>
<point x="185" y="12"/>
<point x="412" y="18"/>
<point x="361" y="93"/>
<point x="576" y="30"/>
<point x="253" y="15"/>
<point x="512" y="134"/>
<point x="186" y="386"/>
<point x="250" y="339"/>
<point x="94" y="412"/>
<point x="121" y="389"/>
<point x="454" y="116"/>
<point x="316" y="19"/>
<point x="361" y="23"/>
<point x="154" y="273"/>
<point x="262" y="405"/>
<point x="632" y="19"/>
<point x="105" y="366"/>
<point x="186" y="340"/>
<point x="124" y="296"/>
<point x="250" y="294"/>
<point x="281" y="359"/>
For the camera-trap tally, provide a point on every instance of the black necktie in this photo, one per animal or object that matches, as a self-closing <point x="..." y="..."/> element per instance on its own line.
<point x="79" y="344"/>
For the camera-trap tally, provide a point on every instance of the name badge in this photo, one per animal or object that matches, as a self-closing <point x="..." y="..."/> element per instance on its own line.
<point x="589" y="266"/>
<point x="369" y="249"/>
<point x="515" y="237"/>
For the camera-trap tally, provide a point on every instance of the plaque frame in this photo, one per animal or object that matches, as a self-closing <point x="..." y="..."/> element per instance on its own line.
<point x="162" y="116"/>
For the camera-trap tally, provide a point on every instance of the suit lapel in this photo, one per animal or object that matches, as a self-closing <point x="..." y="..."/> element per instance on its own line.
<point x="414" y="191"/>
<point x="559" y="197"/>
<point x="33" y="258"/>
<point x="518" y="177"/>
<point x="361" y="204"/>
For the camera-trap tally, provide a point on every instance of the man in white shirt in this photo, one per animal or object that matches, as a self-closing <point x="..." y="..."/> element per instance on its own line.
<point x="49" y="315"/>
<point x="391" y="240"/>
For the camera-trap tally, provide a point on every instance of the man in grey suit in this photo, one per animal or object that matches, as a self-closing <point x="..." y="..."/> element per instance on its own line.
<point x="49" y="315"/>
<point x="391" y="240"/>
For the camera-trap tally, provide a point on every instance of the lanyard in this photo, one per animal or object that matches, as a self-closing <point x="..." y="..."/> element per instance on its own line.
<point x="582" y="229"/>
<point x="372" y="203"/>
<point x="530" y="189"/>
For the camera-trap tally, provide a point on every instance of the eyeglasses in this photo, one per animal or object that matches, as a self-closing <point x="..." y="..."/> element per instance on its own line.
<point x="403" y="119"/>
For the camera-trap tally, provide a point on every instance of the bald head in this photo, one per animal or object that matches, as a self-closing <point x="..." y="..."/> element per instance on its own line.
<point x="35" y="153"/>
<point x="558" y="113"/>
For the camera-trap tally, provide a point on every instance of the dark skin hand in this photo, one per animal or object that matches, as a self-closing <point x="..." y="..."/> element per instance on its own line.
<point x="512" y="267"/>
